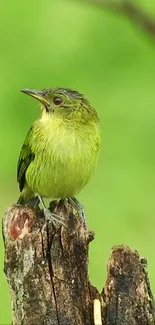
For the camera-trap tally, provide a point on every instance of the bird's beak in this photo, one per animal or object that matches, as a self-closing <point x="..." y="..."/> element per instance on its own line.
<point x="38" y="94"/>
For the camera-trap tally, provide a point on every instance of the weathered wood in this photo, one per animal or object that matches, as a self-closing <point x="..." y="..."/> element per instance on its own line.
<point x="47" y="268"/>
<point x="127" y="292"/>
<point x="47" y="272"/>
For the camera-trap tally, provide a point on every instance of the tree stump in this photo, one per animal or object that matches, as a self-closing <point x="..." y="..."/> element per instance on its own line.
<point x="47" y="273"/>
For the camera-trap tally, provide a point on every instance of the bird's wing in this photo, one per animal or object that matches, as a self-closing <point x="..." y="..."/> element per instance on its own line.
<point x="25" y="158"/>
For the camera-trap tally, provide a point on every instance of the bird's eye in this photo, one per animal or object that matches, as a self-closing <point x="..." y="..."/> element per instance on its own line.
<point x="57" y="100"/>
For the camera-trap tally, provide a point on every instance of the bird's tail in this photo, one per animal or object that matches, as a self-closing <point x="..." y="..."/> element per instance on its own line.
<point x="33" y="202"/>
<point x="21" y="201"/>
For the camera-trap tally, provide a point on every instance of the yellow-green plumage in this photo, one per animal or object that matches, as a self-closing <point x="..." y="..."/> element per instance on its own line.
<point x="60" y="151"/>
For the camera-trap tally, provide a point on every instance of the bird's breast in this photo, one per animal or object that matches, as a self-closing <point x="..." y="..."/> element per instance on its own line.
<point x="65" y="159"/>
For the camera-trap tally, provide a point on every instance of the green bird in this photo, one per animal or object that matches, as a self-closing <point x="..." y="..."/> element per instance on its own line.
<point x="61" y="148"/>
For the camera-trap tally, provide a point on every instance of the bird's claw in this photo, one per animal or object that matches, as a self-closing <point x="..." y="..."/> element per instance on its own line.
<point x="54" y="218"/>
<point x="79" y="208"/>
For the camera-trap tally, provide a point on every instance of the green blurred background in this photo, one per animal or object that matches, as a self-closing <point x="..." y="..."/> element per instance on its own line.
<point x="62" y="43"/>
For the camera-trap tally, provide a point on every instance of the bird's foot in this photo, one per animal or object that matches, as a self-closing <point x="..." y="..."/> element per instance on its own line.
<point x="54" y="218"/>
<point x="79" y="208"/>
<point x="50" y="216"/>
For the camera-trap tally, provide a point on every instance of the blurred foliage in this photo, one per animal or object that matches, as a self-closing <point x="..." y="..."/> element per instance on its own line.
<point x="67" y="44"/>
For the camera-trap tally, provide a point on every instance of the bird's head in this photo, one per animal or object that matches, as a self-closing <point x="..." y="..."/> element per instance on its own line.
<point x="65" y="103"/>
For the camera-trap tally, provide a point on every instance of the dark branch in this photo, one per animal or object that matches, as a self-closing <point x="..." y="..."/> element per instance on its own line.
<point x="133" y="11"/>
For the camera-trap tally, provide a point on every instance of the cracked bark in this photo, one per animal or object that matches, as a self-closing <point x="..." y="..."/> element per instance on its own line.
<point x="47" y="273"/>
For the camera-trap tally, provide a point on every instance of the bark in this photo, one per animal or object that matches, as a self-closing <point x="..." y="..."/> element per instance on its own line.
<point x="47" y="273"/>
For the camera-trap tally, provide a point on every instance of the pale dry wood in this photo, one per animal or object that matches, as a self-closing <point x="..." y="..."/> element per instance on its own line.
<point x="97" y="312"/>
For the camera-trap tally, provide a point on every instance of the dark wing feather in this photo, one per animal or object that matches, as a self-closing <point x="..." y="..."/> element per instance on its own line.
<point x="25" y="158"/>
